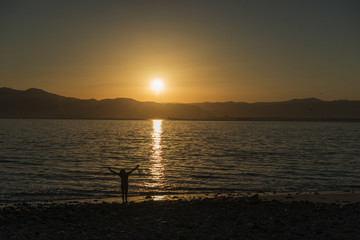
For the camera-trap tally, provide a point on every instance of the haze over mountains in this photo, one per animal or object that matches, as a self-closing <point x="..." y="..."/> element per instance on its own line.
<point x="36" y="103"/>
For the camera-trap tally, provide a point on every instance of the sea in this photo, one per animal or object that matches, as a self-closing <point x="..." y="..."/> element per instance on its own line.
<point x="54" y="160"/>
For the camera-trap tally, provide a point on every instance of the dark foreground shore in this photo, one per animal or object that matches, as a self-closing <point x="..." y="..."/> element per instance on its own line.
<point x="212" y="218"/>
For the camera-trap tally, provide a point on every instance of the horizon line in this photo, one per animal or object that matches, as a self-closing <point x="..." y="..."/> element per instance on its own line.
<point x="147" y="101"/>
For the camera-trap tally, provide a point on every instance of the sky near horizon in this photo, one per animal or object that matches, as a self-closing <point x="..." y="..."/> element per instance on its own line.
<point x="211" y="50"/>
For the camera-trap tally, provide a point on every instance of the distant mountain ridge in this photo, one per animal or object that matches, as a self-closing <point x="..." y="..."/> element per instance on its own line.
<point x="296" y="109"/>
<point x="37" y="103"/>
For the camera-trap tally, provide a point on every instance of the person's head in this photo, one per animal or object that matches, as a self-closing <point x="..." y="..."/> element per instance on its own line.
<point x="122" y="172"/>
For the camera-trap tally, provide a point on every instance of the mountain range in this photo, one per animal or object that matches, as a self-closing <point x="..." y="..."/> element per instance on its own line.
<point x="36" y="103"/>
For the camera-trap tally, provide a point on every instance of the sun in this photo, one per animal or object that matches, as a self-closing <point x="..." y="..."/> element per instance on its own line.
<point x="157" y="85"/>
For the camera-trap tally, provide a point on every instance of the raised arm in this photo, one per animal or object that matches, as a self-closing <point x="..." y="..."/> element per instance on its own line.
<point x="113" y="172"/>
<point x="133" y="169"/>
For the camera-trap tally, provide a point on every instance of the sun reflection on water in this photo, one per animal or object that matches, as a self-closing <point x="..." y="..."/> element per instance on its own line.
<point x="156" y="166"/>
<point x="158" y="198"/>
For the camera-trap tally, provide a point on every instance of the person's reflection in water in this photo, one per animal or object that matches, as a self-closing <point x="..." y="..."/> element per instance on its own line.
<point x="124" y="176"/>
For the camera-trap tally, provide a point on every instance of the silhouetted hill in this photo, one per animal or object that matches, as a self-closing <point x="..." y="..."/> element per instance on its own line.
<point x="296" y="109"/>
<point x="36" y="103"/>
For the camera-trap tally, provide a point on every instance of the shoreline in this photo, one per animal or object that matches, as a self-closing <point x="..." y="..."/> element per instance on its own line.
<point x="330" y="197"/>
<point x="257" y="216"/>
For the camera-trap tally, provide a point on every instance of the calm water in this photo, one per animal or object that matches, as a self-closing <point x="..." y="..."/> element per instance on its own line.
<point x="68" y="159"/>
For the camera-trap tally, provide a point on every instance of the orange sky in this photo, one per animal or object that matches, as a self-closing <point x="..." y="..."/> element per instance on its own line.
<point x="219" y="51"/>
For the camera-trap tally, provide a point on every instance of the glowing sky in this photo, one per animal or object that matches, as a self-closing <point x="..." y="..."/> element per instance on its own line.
<point x="202" y="50"/>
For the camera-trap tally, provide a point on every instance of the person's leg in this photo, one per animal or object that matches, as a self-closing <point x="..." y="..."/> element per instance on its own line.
<point x="126" y="193"/>
<point x="122" y="193"/>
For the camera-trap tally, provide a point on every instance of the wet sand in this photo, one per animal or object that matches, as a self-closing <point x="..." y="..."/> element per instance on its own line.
<point x="262" y="216"/>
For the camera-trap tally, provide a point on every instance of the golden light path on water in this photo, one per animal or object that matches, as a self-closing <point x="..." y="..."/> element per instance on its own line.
<point x="156" y="167"/>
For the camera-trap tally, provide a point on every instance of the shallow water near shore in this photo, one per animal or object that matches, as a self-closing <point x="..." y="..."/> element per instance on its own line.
<point x="56" y="160"/>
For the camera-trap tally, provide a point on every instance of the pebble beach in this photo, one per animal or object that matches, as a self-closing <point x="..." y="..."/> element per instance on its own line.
<point x="222" y="217"/>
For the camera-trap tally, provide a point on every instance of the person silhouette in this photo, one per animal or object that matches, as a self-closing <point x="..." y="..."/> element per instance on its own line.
<point x="124" y="176"/>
